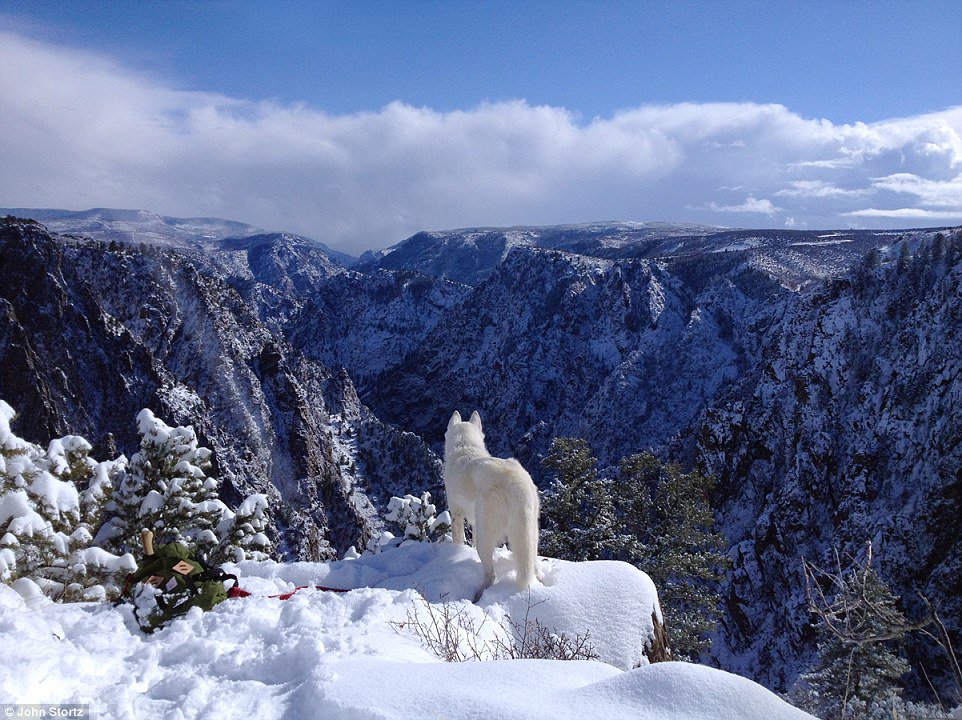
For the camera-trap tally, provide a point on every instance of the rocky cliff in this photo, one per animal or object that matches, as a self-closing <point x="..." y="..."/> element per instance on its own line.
<point x="91" y="333"/>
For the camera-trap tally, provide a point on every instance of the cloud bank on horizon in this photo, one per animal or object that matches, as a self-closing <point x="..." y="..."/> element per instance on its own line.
<point x="77" y="131"/>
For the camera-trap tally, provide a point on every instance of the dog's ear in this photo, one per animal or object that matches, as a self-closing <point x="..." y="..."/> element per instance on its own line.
<point x="476" y="419"/>
<point x="455" y="418"/>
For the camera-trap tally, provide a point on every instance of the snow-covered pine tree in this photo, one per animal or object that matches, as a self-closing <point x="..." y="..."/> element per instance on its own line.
<point x="244" y="537"/>
<point x="577" y="510"/>
<point x="668" y="516"/>
<point x="166" y="490"/>
<point x="47" y="523"/>
<point x="69" y="460"/>
<point x="90" y="572"/>
<point x="417" y="518"/>
<point x="32" y="501"/>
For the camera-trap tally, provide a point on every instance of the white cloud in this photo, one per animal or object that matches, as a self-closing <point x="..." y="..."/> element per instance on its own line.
<point x="78" y="130"/>
<point x="752" y="205"/>
<point x="945" y="194"/>
<point x="907" y="214"/>
<point x="818" y="189"/>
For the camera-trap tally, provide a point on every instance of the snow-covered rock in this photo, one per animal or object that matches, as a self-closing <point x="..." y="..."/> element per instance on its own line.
<point x="93" y="333"/>
<point x="848" y="431"/>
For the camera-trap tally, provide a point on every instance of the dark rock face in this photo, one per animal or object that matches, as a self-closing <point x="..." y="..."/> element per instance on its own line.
<point x="91" y="334"/>
<point x="848" y="431"/>
<point x="624" y="353"/>
<point x="66" y="365"/>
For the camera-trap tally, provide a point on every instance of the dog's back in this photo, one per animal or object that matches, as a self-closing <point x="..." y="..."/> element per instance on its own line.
<point x="496" y="496"/>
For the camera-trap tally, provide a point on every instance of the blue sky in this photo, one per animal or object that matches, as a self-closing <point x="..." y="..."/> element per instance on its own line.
<point x="389" y="117"/>
<point x="840" y="60"/>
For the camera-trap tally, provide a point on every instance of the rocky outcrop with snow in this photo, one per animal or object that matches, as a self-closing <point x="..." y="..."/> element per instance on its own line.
<point x="847" y="430"/>
<point x="624" y="352"/>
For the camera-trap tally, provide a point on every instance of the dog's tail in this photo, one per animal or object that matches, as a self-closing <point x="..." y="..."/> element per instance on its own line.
<point x="523" y="526"/>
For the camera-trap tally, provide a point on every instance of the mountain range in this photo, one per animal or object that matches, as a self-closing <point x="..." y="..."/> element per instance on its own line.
<point x="816" y="374"/>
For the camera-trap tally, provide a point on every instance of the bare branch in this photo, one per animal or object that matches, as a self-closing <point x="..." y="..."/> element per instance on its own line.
<point x="450" y="633"/>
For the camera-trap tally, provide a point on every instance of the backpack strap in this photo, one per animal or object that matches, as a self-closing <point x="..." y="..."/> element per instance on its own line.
<point x="215" y="574"/>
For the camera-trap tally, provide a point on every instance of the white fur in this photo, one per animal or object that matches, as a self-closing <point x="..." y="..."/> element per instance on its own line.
<point x="496" y="496"/>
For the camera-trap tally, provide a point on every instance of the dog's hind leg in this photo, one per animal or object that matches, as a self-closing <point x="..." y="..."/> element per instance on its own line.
<point x="457" y="526"/>
<point x="523" y="539"/>
<point x="485" y="537"/>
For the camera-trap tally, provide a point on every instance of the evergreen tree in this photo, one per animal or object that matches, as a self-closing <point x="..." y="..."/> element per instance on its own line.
<point x="857" y="673"/>
<point x="245" y="536"/>
<point x="953" y="249"/>
<point x="69" y="461"/>
<point x="417" y="518"/>
<point x="655" y="517"/>
<point x="939" y="247"/>
<point x="904" y="260"/>
<point x="577" y="511"/>
<point x="37" y="510"/>
<point x="47" y="523"/>
<point x="669" y="517"/>
<point x="166" y="490"/>
<point x="865" y="277"/>
<point x="88" y="572"/>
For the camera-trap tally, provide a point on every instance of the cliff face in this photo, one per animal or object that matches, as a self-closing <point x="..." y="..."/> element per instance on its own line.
<point x="848" y="431"/>
<point x="91" y="333"/>
<point x="625" y="353"/>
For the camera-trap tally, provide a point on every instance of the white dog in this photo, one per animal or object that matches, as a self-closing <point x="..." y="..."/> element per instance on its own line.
<point x="497" y="497"/>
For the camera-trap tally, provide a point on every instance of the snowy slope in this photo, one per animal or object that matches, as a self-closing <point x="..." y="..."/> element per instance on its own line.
<point x="338" y="655"/>
<point x="141" y="226"/>
<point x="848" y="431"/>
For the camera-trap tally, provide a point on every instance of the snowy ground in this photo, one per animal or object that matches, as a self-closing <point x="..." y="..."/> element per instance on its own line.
<point x="341" y="655"/>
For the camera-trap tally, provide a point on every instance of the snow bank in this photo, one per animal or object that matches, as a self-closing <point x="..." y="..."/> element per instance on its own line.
<point x="338" y="655"/>
<point x="611" y="602"/>
<point x="439" y="571"/>
<point x="547" y="690"/>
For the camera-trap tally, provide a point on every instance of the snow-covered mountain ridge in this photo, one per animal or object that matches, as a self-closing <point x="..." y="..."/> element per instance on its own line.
<point x="751" y="353"/>
<point x="469" y="255"/>
<point x="141" y="226"/>
<point x="92" y="334"/>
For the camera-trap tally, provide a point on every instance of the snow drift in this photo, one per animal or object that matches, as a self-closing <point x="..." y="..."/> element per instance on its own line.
<point x="343" y="655"/>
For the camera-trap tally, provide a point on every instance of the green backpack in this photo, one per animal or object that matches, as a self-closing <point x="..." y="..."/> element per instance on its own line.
<point x="170" y="582"/>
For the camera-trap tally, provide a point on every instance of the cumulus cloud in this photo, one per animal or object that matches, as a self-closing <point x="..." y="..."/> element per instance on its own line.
<point x="80" y="131"/>
<point x="930" y="193"/>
